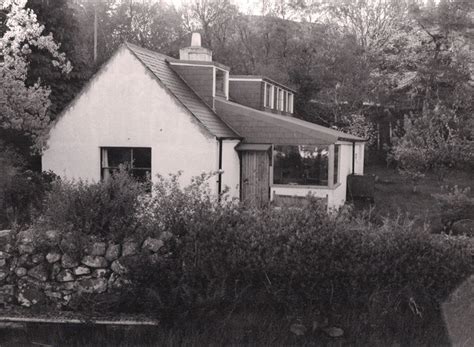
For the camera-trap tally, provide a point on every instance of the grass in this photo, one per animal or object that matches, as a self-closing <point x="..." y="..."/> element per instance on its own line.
<point x="394" y="193"/>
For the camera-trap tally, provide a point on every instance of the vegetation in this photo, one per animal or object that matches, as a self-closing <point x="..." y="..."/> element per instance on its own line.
<point x="297" y="266"/>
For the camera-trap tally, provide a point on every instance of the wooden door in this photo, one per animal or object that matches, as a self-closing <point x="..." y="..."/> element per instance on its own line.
<point x="255" y="178"/>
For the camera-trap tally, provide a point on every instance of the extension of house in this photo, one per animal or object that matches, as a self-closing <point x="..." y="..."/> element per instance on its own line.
<point x="161" y="115"/>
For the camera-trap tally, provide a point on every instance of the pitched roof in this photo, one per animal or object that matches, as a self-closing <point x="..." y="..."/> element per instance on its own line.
<point x="158" y="64"/>
<point x="263" y="127"/>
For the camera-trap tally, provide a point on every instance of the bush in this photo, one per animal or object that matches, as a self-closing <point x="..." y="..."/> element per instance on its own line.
<point x="455" y="204"/>
<point x="21" y="191"/>
<point x="105" y="209"/>
<point x="223" y="254"/>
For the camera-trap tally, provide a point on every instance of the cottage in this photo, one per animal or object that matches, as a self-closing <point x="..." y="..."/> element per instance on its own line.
<point x="160" y="115"/>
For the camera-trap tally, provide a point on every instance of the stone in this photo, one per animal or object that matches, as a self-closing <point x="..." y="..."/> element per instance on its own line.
<point x="53" y="257"/>
<point x="82" y="270"/>
<point x="68" y="261"/>
<point x="3" y="262"/>
<point x="30" y="296"/>
<point x="53" y="237"/>
<point x="53" y="295"/>
<point x="130" y="248"/>
<point x="98" y="249"/>
<point x="55" y="270"/>
<point x="26" y="248"/>
<point x="95" y="261"/>
<point x="69" y="287"/>
<point x="334" y="332"/>
<point x="152" y="245"/>
<point x="65" y="276"/>
<point x="69" y="243"/>
<point x="37" y="258"/>
<point x="298" y="329"/>
<point x="165" y="236"/>
<point x="113" y="252"/>
<point x="463" y="227"/>
<point x="3" y="274"/>
<point x="23" y="259"/>
<point x="39" y="273"/>
<point x="101" y="273"/>
<point x="93" y="285"/>
<point x="118" y="267"/>
<point x="21" y="271"/>
<point x="4" y="255"/>
<point x="5" y="233"/>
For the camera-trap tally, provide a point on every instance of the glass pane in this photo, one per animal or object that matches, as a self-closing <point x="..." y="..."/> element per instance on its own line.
<point x="301" y="165"/>
<point x="117" y="156"/>
<point x="336" y="163"/>
<point x="142" y="158"/>
<point x="220" y="80"/>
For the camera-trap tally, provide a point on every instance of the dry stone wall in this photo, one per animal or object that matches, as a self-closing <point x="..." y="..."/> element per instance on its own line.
<point x="51" y="268"/>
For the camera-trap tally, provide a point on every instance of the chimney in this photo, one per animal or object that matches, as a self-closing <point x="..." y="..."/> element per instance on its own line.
<point x="195" y="51"/>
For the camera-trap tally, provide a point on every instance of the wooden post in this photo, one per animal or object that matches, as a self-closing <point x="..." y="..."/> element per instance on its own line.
<point x="331" y="167"/>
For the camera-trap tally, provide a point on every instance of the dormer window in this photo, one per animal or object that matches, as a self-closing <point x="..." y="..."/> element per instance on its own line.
<point x="268" y="95"/>
<point x="221" y="82"/>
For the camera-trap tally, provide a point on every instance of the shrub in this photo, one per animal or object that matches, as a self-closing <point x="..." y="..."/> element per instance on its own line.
<point x="21" y="191"/>
<point x="455" y="204"/>
<point x="223" y="254"/>
<point x="105" y="209"/>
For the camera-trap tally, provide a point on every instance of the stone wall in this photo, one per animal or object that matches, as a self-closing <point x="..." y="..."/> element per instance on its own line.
<point x="50" y="268"/>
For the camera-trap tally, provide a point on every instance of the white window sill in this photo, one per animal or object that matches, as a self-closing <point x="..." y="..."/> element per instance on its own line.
<point x="304" y="187"/>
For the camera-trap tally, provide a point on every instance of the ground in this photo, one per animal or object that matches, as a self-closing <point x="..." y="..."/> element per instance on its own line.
<point x="394" y="193"/>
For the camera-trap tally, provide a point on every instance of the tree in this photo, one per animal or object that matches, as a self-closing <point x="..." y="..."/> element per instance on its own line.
<point x="433" y="142"/>
<point x="23" y="107"/>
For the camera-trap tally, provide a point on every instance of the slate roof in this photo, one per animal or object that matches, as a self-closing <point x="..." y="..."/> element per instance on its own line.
<point x="158" y="65"/>
<point x="263" y="127"/>
<point x="232" y="120"/>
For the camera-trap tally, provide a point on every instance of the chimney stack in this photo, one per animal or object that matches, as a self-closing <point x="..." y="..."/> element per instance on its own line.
<point x="195" y="51"/>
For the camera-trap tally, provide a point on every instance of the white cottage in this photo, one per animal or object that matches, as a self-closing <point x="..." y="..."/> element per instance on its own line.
<point x="161" y="115"/>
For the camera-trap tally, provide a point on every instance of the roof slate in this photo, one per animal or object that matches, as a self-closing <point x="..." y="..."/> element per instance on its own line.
<point x="263" y="127"/>
<point x="158" y="65"/>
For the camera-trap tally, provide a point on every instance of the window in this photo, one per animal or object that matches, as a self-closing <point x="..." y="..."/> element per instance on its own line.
<point x="136" y="160"/>
<point x="268" y="95"/>
<point x="285" y="100"/>
<point x="280" y="100"/>
<point x="221" y="80"/>
<point x="275" y="98"/>
<point x="301" y="165"/>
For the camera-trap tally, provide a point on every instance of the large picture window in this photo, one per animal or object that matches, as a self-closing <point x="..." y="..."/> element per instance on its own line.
<point x="136" y="160"/>
<point x="301" y="165"/>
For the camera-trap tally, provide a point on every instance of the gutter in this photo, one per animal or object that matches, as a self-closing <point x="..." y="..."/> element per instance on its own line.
<point x="353" y="156"/>
<point x="219" y="179"/>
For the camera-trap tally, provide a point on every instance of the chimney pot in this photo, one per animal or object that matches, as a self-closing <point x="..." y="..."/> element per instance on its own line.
<point x="196" y="40"/>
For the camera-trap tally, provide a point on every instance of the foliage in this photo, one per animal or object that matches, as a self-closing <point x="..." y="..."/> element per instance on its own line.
<point x="21" y="190"/>
<point x="24" y="107"/>
<point x="104" y="209"/>
<point x="226" y="255"/>
<point x="435" y="141"/>
<point x="359" y="125"/>
<point x="455" y="204"/>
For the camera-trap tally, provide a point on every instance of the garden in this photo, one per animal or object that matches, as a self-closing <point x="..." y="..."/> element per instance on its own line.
<point x="200" y="266"/>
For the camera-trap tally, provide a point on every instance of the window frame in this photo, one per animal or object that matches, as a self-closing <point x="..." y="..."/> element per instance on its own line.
<point x="332" y="166"/>
<point x="103" y="150"/>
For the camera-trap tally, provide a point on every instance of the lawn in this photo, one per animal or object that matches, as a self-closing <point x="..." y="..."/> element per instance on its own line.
<point x="394" y="193"/>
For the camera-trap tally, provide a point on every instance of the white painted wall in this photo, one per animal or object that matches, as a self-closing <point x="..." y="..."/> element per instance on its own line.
<point x="337" y="195"/>
<point x="231" y="167"/>
<point x="124" y="105"/>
